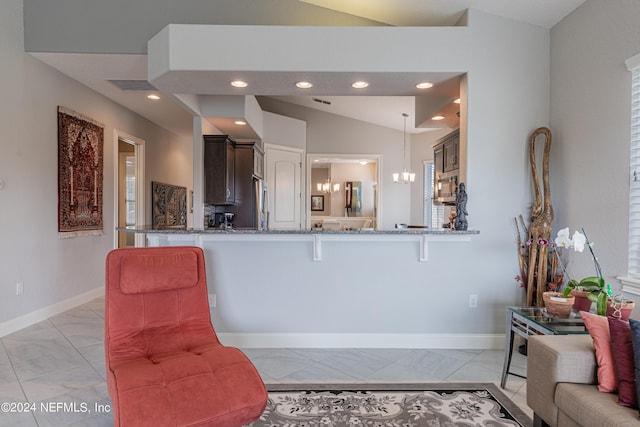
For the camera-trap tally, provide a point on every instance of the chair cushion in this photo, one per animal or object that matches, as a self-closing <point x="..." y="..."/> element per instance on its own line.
<point x="141" y="273"/>
<point x="210" y="384"/>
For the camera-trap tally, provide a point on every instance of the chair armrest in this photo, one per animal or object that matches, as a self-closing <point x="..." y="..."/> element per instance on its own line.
<point x="553" y="359"/>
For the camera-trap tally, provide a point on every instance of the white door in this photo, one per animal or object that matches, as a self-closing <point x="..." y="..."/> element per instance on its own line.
<point x="284" y="186"/>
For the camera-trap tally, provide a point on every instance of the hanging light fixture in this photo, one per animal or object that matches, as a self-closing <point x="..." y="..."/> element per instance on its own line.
<point x="328" y="186"/>
<point x="407" y="177"/>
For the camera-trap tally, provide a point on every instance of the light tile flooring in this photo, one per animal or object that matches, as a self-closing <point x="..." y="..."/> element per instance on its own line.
<point x="54" y="371"/>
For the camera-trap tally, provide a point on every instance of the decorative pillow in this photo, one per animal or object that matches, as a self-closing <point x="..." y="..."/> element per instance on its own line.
<point x="598" y="328"/>
<point x="635" y="340"/>
<point x="622" y="352"/>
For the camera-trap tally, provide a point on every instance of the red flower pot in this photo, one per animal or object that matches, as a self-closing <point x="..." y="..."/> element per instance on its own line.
<point x="582" y="303"/>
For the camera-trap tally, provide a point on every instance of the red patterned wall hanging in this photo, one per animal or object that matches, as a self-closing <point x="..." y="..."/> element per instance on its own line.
<point x="80" y="165"/>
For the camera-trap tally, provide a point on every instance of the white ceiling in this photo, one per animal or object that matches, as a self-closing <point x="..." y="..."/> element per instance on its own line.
<point x="94" y="70"/>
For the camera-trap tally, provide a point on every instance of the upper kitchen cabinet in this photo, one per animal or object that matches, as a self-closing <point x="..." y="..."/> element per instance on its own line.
<point x="451" y="146"/>
<point x="256" y="160"/>
<point x="219" y="170"/>
<point x="446" y="156"/>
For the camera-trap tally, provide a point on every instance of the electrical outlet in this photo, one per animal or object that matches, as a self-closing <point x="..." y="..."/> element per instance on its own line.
<point x="212" y="300"/>
<point x="473" y="301"/>
<point x="19" y="288"/>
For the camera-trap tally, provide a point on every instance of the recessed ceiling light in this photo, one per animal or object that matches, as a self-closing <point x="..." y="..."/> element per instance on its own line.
<point x="153" y="96"/>
<point x="239" y="83"/>
<point x="438" y="117"/>
<point x="360" y="85"/>
<point x="240" y="122"/>
<point x="363" y="162"/>
<point x="304" y="85"/>
<point x="424" y="85"/>
<point x="457" y="101"/>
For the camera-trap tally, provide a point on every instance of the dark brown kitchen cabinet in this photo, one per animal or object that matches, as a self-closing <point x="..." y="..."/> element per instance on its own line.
<point x="249" y="160"/>
<point x="451" y="151"/>
<point x="258" y="162"/>
<point x="446" y="158"/>
<point x="219" y="170"/>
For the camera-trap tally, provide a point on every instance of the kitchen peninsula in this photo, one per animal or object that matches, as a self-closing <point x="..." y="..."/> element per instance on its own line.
<point x="332" y="288"/>
<point x="168" y="236"/>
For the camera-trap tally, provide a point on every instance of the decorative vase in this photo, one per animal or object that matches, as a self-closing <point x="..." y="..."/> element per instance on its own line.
<point x="557" y="305"/>
<point x="625" y="308"/>
<point x="582" y="302"/>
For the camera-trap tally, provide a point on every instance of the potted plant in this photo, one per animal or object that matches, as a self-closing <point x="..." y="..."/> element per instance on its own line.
<point x="593" y="287"/>
<point x="620" y="307"/>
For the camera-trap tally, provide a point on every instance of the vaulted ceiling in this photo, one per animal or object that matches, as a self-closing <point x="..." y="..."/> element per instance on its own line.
<point x="95" y="70"/>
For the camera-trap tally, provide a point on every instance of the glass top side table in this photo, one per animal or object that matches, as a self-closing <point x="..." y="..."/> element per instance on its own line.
<point x="527" y="321"/>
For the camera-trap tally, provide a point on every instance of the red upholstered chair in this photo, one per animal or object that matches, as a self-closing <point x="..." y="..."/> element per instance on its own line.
<point x="165" y="365"/>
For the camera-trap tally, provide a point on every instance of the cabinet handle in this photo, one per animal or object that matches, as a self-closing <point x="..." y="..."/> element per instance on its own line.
<point x="228" y="193"/>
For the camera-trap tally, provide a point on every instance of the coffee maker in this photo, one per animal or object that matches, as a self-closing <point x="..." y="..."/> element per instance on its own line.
<point x="228" y="218"/>
<point x="221" y="220"/>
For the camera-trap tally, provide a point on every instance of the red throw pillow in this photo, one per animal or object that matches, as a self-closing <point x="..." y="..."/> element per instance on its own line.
<point x="598" y="328"/>
<point x="622" y="352"/>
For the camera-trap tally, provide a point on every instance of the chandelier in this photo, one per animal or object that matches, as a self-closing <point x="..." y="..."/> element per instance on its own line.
<point x="407" y="177"/>
<point x="328" y="186"/>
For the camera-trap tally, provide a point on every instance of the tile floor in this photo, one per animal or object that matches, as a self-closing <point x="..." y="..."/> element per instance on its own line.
<point x="57" y="368"/>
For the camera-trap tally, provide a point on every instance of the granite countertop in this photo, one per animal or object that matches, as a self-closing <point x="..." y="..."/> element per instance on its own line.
<point x="184" y="230"/>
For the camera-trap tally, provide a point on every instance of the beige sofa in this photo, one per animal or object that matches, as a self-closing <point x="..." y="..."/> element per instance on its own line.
<point x="561" y="385"/>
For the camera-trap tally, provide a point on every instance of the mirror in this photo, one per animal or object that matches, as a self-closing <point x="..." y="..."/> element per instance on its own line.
<point x="348" y="188"/>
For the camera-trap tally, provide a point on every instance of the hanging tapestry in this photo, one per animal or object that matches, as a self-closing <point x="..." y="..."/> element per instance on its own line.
<point x="80" y="164"/>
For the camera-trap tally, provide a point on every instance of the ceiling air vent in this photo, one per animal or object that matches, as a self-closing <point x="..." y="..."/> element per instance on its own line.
<point x="134" y="85"/>
<point x="322" y="101"/>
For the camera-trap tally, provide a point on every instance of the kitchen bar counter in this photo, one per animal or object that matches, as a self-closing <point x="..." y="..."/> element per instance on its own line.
<point x="158" y="236"/>
<point x="395" y="231"/>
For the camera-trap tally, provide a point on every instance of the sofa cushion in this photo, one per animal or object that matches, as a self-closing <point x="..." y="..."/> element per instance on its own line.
<point x="635" y="340"/>
<point x="587" y="407"/>
<point x="598" y="328"/>
<point x="622" y="352"/>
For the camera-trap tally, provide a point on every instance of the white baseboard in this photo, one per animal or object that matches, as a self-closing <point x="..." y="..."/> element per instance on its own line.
<point x="311" y="340"/>
<point x="39" y="315"/>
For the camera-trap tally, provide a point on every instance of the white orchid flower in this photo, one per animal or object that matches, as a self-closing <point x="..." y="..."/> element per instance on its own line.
<point x="579" y="240"/>
<point x="563" y="240"/>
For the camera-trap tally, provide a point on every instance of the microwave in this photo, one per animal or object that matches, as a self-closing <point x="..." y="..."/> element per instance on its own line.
<point x="445" y="188"/>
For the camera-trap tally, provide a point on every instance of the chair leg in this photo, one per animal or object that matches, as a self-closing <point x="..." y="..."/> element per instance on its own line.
<point x="539" y="422"/>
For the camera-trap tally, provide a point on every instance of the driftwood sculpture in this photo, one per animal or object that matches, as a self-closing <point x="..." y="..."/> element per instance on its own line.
<point x="541" y="218"/>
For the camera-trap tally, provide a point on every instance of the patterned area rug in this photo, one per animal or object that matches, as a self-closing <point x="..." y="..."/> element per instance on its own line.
<point x="398" y="405"/>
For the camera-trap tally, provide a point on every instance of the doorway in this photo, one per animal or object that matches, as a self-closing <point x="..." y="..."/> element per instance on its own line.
<point x="129" y="190"/>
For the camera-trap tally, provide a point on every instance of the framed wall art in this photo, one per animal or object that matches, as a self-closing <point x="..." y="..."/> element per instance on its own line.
<point x="169" y="205"/>
<point x="317" y="203"/>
